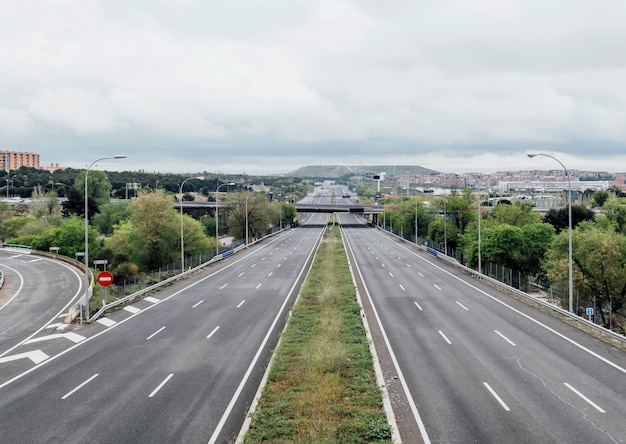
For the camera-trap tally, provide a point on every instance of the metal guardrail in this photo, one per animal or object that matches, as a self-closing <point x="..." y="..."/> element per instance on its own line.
<point x="595" y="330"/>
<point x="1" y="279"/>
<point x="143" y="291"/>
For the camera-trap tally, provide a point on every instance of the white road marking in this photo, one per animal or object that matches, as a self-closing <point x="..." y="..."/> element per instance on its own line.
<point x="462" y="306"/>
<point x="240" y="274"/>
<point x="74" y="337"/>
<point x="495" y="395"/>
<point x="444" y="337"/>
<point x="213" y="332"/>
<point x="151" y="299"/>
<point x="505" y="338"/>
<point x="401" y="287"/>
<point x="48" y="326"/>
<point x="71" y="392"/>
<point x="241" y="303"/>
<point x="420" y="274"/>
<point x="253" y="265"/>
<point x="155" y="333"/>
<point x="155" y="391"/>
<point x="591" y="403"/>
<point x="390" y="274"/>
<point x="383" y="265"/>
<point x="278" y="265"/>
<point x="132" y="309"/>
<point x="197" y="303"/>
<point x="271" y="273"/>
<point x="418" y="306"/>
<point x="106" y="321"/>
<point x="437" y="287"/>
<point x="257" y="287"/>
<point x="223" y="286"/>
<point x="36" y="356"/>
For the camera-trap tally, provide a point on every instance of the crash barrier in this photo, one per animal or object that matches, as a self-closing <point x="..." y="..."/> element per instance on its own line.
<point x="1" y="279"/>
<point x="595" y="330"/>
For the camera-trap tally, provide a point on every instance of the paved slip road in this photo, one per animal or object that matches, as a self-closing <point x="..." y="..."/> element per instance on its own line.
<point x="181" y="366"/>
<point x="468" y="364"/>
<point x="36" y="294"/>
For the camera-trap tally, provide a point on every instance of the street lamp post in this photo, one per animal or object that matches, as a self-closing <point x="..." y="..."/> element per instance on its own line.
<point x="119" y="156"/>
<point x="480" y="270"/>
<point x="569" y="204"/>
<point x="182" y="236"/>
<point x="247" y="219"/>
<point x="217" y="220"/>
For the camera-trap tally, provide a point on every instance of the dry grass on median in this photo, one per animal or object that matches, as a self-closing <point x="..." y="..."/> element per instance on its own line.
<point x="322" y="386"/>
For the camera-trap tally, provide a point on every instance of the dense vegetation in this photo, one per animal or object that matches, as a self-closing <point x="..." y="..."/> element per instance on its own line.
<point x="142" y="232"/>
<point x="519" y="238"/>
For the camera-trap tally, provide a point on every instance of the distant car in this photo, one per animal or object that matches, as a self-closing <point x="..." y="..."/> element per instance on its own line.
<point x="346" y="196"/>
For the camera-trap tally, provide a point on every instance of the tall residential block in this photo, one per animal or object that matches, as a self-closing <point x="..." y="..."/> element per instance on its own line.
<point x="13" y="160"/>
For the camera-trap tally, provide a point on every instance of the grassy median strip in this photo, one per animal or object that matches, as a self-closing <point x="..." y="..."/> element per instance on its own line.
<point x="321" y="387"/>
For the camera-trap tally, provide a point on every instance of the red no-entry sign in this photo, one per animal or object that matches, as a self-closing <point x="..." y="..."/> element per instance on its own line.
<point x="105" y="278"/>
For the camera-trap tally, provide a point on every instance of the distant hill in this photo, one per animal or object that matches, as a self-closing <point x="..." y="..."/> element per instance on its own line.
<point x="349" y="172"/>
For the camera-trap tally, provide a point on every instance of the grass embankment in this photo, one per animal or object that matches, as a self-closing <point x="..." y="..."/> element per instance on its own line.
<point x="321" y="386"/>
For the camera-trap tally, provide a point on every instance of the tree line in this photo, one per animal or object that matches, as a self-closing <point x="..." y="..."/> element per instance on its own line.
<point x="141" y="234"/>
<point x="519" y="238"/>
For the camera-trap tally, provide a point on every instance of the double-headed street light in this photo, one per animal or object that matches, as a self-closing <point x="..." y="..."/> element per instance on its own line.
<point x="217" y="219"/>
<point x="119" y="156"/>
<point x="182" y="236"/>
<point x="569" y="204"/>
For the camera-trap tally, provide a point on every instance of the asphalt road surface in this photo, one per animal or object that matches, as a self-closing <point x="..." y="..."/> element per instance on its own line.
<point x="465" y="363"/>
<point x="181" y="366"/>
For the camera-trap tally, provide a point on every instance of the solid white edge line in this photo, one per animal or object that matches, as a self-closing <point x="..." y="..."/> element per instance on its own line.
<point x="71" y="392"/>
<point x="155" y="333"/>
<point x="505" y="338"/>
<point x="591" y="403"/>
<point x="495" y="395"/>
<point x="160" y="386"/>
<point x="400" y="375"/>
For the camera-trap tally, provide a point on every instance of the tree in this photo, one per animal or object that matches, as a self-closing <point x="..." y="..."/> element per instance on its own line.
<point x="518" y="215"/>
<point x="615" y="211"/>
<point x="156" y="234"/>
<point x="258" y="214"/>
<point x="559" y="218"/>
<point x="98" y="190"/>
<point x="599" y="197"/>
<point x="599" y="265"/>
<point x="110" y="215"/>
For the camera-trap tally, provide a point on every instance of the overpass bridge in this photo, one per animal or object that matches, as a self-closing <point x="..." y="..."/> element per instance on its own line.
<point x="300" y="207"/>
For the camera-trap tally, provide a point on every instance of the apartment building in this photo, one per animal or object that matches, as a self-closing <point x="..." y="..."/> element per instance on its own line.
<point x="13" y="160"/>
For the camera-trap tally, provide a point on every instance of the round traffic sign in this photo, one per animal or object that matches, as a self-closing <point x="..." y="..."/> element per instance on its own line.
<point x="105" y="278"/>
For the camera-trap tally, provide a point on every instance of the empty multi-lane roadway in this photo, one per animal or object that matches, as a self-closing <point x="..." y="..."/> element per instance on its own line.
<point x="461" y="362"/>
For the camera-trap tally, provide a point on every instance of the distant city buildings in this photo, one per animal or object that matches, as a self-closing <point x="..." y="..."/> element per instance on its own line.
<point x="14" y="160"/>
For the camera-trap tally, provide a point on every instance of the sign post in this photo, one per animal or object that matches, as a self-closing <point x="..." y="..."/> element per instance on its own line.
<point x="589" y="312"/>
<point x="105" y="278"/>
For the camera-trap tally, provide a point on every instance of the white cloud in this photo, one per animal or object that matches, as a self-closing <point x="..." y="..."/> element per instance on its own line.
<point x="279" y="83"/>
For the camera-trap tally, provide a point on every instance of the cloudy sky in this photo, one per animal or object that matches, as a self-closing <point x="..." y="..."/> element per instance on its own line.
<point x="266" y="86"/>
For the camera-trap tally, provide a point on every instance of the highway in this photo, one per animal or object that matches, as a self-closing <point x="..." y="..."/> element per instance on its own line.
<point x="464" y="363"/>
<point x="36" y="295"/>
<point x="180" y="366"/>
